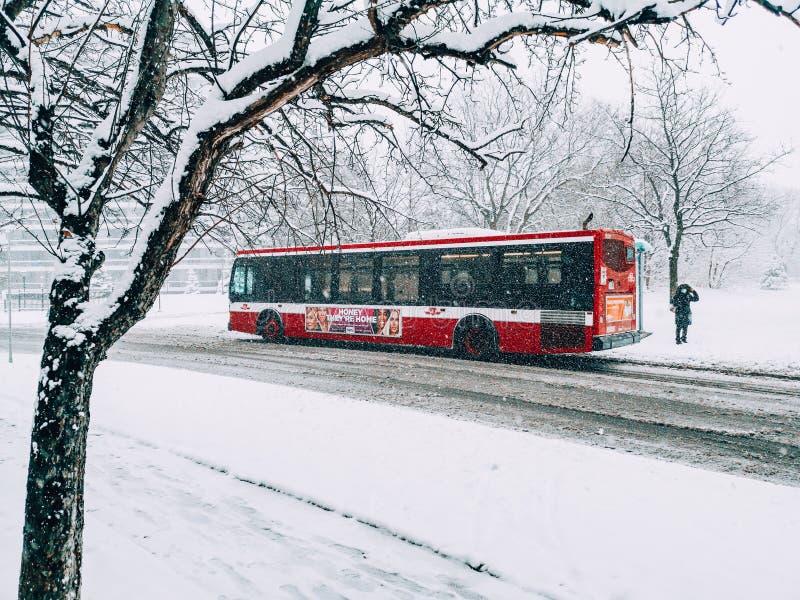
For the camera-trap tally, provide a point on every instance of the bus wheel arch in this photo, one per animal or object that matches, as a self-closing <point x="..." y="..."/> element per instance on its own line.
<point x="269" y="326"/>
<point x="475" y="337"/>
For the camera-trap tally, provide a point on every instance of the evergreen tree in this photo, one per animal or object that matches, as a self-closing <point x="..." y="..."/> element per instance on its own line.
<point x="775" y="277"/>
<point x="192" y="283"/>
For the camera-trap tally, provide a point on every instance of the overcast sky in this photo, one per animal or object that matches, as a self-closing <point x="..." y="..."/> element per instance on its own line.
<point x="758" y="54"/>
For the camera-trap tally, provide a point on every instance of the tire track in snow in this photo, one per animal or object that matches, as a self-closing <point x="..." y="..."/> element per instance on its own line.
<point x="480" y="567"/>
<point x="229" y="535"/>
<point x="525" y="370"/>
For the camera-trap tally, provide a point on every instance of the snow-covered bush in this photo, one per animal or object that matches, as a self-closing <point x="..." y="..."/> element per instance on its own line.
<point x="775" y="277"/>
<point x="192" y="283"/>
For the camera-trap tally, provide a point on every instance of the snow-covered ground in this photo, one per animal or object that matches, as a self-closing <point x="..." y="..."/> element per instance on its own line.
<point x="200" y="486"/>
<point x="749" y="329"/>
<point x="170" y="310"/>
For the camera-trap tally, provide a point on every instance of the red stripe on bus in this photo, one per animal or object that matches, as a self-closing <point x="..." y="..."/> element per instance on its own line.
<point x="434" y="242"/>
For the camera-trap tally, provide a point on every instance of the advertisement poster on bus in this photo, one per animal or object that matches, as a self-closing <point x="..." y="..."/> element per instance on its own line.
<point x="619" y="313"/>
<point x="384" y="321"/>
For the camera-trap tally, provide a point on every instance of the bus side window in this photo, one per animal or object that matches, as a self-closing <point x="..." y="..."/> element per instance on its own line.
<point x="520" y="275"/>
<point x="465" y="279"/>
<point x="399" y="279"/>
<point x="615" y="254"/>
<point x="285" y="279"/>
<point x="552" y="267"/>
<point x="567" y="277"/>
<point x="318" y="278"/>
<point x="270" y="279"/>
<point x="278" y="279"/>
<point x="355" y="279"/>
<point x="577" y="260"/>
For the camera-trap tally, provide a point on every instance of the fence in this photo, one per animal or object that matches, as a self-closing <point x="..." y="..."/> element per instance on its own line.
<point x="31" y="298"/>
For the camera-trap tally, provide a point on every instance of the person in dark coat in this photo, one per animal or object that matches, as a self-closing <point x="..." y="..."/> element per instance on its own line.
<point x="681" y="306"/>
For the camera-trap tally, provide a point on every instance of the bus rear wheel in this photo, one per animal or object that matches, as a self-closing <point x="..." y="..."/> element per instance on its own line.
<point x="269" y="327"/>
<point x="477" y="341"/>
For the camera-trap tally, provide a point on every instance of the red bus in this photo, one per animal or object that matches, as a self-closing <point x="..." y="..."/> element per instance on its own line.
<point x="480" y="294"/>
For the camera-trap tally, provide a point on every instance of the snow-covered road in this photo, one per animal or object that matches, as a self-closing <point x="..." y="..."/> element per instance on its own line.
<point x="739" y="424"/>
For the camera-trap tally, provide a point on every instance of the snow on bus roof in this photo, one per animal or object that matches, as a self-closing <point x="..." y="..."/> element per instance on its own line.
<point x="443" y="238"/>
<point x="460" y="232"/>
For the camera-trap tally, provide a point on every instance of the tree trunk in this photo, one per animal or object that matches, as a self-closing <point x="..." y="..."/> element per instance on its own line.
<point x="673" y="270"/>
<point x="53" y="532"/>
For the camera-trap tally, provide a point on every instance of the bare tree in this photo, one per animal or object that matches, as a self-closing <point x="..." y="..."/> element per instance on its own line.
<point x="786" y="231"/>
<point x="689" y="171"/>
<point x="103" y="106"/>
<point x="534" y="158"/>
<point x="725" y="248"/>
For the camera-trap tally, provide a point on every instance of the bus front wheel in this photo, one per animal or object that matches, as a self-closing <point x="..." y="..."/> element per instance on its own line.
<point x="269" y="327"/>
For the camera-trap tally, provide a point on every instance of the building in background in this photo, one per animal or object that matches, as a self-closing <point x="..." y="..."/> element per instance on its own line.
<point x="204" y="270"/>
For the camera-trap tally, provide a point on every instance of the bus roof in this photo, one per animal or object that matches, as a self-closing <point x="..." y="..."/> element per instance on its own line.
<point x="434" y="241"/>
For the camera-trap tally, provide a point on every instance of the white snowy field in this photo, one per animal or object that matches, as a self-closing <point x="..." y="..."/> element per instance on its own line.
<point x="170" y="512"/>
<point x="748" y="329"/>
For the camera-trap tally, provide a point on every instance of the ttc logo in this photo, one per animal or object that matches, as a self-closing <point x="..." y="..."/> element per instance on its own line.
<point x="433" y="311"/>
